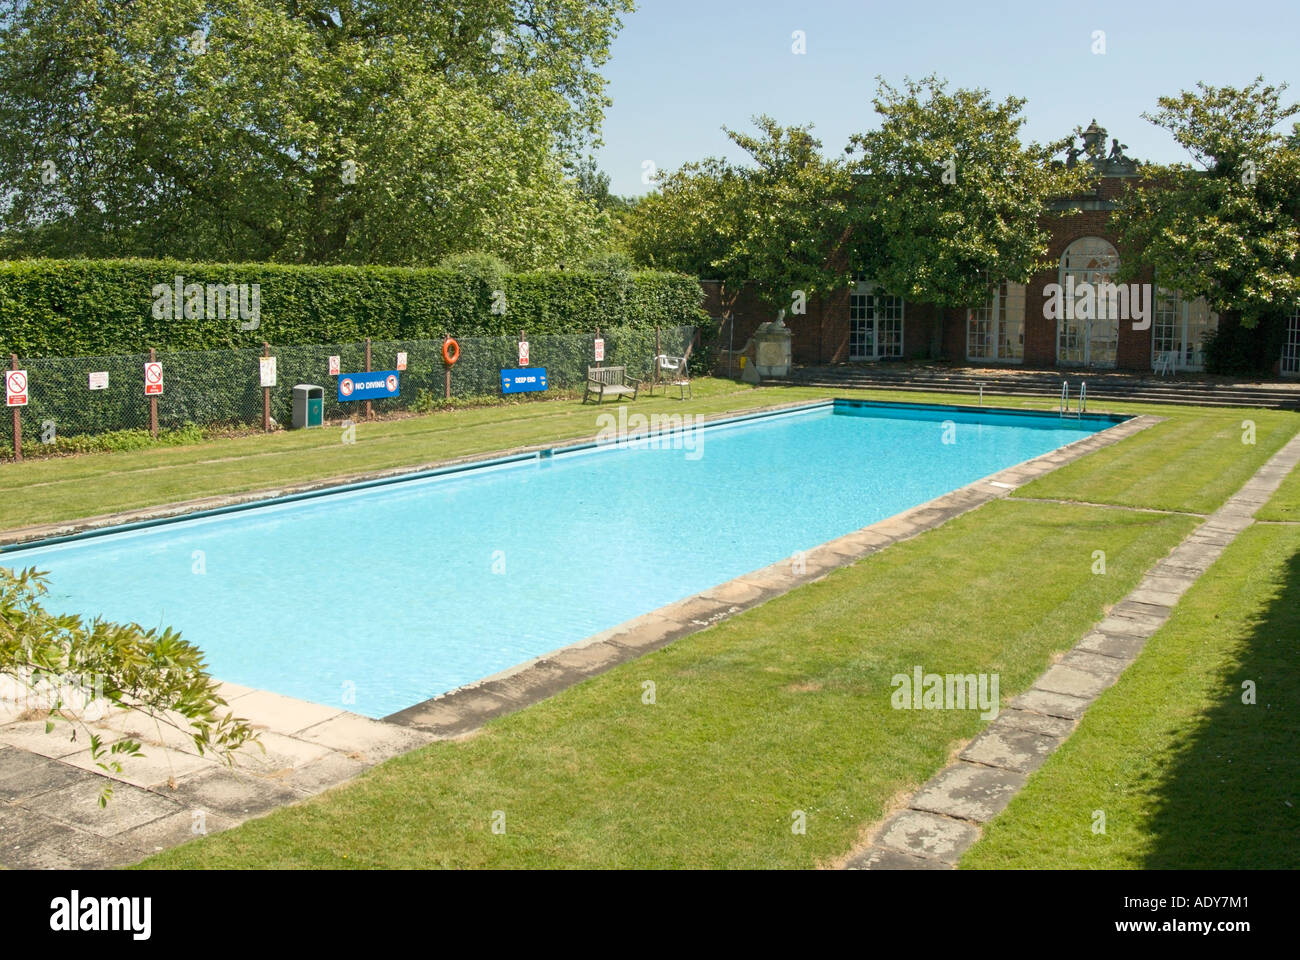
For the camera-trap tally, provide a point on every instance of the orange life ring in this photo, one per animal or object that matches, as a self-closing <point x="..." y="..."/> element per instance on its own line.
<point x="450" y="351"/>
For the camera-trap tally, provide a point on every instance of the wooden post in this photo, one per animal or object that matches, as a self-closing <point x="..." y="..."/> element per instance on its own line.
<point x="153" y="400"/>
<point x="370" y="412"/>
<point x="266" y="394"/>
<point x="446" y="371"/>
<point x="598" y="337"/>
<point x="658" y="351"/>
<point x="18" y="420"/>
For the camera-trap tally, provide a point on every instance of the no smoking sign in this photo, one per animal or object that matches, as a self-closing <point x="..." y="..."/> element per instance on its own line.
<point x="16" y="388"/>
<point x="153" y="379"/>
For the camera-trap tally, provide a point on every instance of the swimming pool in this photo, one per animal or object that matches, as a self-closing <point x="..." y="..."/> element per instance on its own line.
<point x="379" y="596"/>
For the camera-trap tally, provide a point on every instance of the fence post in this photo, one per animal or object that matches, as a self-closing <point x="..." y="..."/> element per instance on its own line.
<point x="266" y="394"/>
<point x="655" y="363"/>
<point x="18" y="420"/>
<point x="153" y="400"/>
<point x="530" y="355"/>
<point x="370" y="413"/>
<point x="597" y="337"/>
<point x="446" y="370"/>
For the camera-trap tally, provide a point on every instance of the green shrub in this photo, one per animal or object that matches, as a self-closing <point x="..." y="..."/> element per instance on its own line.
<point x="63" y="308"/>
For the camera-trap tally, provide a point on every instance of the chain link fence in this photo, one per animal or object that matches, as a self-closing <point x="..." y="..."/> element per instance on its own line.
<point x="221" y="388"/>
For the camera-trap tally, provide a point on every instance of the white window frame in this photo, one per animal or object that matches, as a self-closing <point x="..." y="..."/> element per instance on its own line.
<point x="1173" y="331"/>
<point x="1002" y="329"/>
<point x="871" y="322"/>
<point x="1291" y="346"/>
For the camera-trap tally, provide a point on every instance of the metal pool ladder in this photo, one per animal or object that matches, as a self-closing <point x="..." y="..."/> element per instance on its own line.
<point x="1065" y="399"/>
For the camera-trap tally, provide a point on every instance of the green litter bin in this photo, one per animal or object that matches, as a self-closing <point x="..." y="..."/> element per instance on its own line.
<point x="308" y="406"/>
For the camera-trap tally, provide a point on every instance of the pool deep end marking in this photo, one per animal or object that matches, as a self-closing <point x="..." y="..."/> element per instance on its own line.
<point x="527" y="380"/>
<point x="369" y="386"/>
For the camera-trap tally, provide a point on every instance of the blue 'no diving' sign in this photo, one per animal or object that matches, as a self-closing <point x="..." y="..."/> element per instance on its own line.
<point x="523" y="380"/>
<point x="369" y="386"/>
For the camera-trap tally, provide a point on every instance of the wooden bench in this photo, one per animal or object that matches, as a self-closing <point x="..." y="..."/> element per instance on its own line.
<point x="610" y="381"/>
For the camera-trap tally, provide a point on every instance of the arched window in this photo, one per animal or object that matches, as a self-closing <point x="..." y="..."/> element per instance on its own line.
<point x="1086" y="342"/>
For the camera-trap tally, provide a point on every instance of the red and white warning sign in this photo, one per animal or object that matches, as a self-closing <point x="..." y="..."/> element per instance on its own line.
<point x="392" y="382"/>
<point x="346" y="387"/>
<point x="600" y="349"/>
<point x="401" y="360"/>
<point x="16" y="388"/>
<point x="153" y="379"/>
<point x="523" y="353"/>
<point x="334" y="366"/>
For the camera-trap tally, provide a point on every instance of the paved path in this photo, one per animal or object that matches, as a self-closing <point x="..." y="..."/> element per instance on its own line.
<point x="944" y="817"/>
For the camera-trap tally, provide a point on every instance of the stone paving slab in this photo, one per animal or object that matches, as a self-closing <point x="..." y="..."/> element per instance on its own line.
<point x="1119" y="646"/>
<point x="1010" y="747"/>
<point x="881" y="858"/>
<point x="1050" y="703"/>
<point x="928" y="835"/>
<point x="1037" y="722"/>
<point x="78" y="804"/>
<point x="968" y="791"/>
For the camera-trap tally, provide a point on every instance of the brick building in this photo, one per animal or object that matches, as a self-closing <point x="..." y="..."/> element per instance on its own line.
<point x="1016" y="327"/>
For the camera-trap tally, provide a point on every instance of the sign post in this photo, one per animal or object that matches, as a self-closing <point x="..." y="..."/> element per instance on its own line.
<point x="16" y="396"/>
<point x="370" y="413"/>
<point x="266" y="377"/>
<point x="153" y="385"/>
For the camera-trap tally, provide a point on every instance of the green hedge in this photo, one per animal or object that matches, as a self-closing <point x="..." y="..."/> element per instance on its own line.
<point x="52" y="308"/>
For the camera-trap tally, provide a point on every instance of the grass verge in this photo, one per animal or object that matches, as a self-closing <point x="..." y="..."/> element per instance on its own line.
<point x="1187" y="774"/>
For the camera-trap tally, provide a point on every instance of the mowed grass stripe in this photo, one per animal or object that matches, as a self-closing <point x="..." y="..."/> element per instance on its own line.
<point x="1193" y="461"/>
<point x="785" y="708"/>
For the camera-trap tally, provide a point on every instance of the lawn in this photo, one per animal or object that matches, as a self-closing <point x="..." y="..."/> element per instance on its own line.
<point x="1187" y="774"/>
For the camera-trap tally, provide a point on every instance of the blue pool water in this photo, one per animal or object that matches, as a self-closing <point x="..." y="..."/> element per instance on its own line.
<point x="375" y="599"/>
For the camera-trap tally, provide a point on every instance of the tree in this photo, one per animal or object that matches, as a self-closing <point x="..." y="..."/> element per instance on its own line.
<point x="68" y="669"/>
<point x="772" y="222"/>
<point x="1227" y="226"/>
<point x="947" y="200"/>
<point x="349" y="131"/>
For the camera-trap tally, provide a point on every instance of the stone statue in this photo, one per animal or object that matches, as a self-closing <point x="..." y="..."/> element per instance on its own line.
<point x="1117" y="149"/>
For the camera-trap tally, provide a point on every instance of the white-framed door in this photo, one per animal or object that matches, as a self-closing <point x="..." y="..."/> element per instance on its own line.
<point x="875" y="322"/>
<point x="1291" y="346"/>
<point x="995" y="331"/>
<point x="1087" y="341"/>
<point x="1179" y="331"/>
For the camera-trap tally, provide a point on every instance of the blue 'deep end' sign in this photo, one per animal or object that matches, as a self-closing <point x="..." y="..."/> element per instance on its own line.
<point x="523" y="380"/>
<point x="369" y="386"/>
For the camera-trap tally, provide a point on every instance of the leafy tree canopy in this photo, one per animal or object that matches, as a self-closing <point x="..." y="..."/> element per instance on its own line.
<point x="771" y="222"/>
<point x="1227" y="225"/>
<point x="351" y="131"/>
<point x="947" y="199"/>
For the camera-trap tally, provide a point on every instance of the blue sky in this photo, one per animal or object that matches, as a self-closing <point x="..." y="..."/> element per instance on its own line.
<point x="681" y="70"/>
